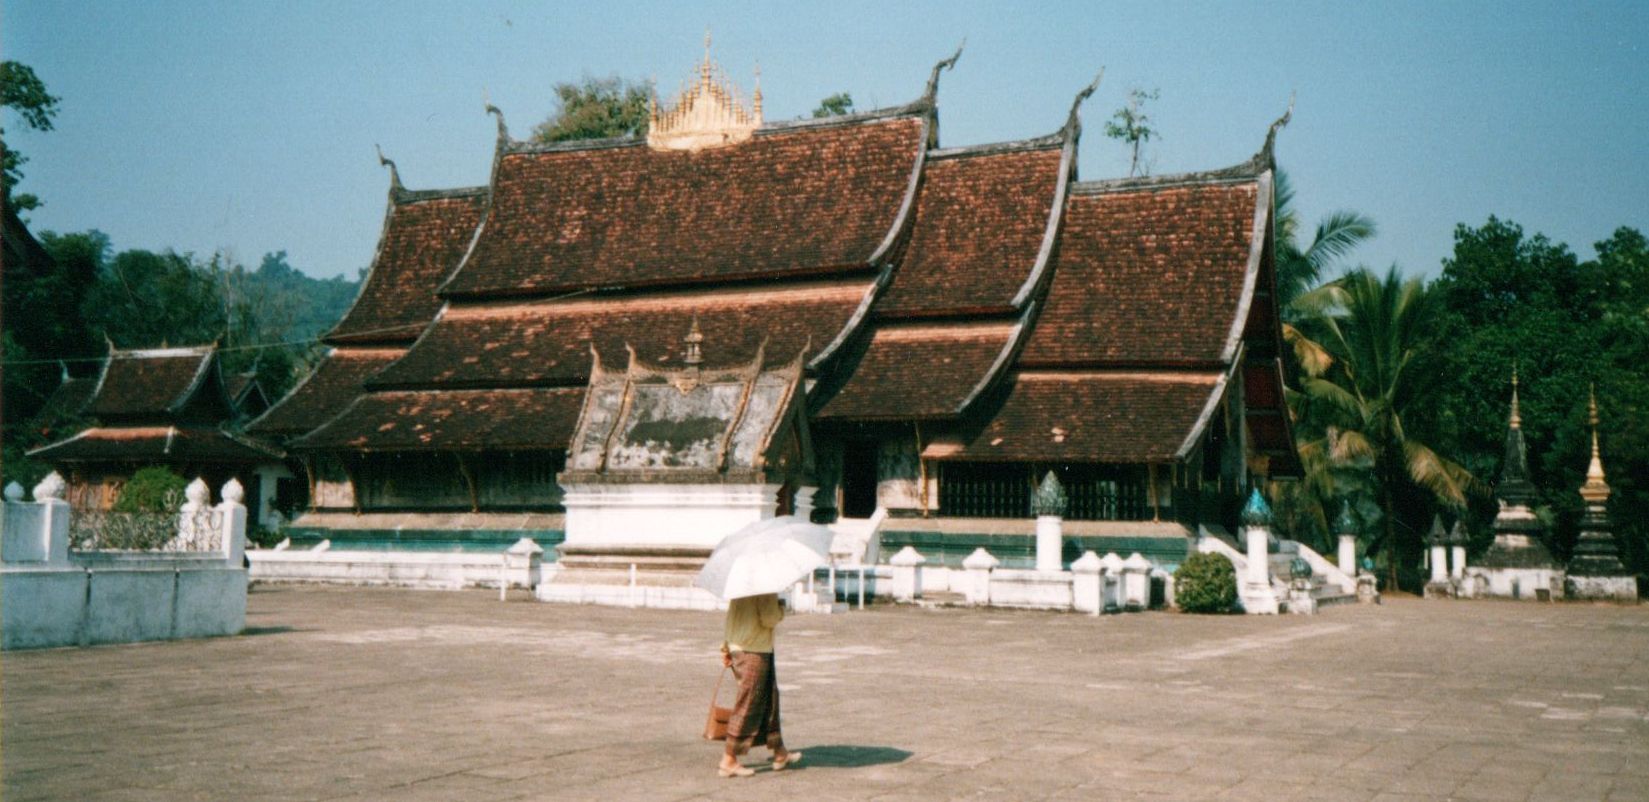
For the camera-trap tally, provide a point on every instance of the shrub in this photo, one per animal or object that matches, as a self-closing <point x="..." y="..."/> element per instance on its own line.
<point x="153" y="489"/>
<point x="1205" y="583"/>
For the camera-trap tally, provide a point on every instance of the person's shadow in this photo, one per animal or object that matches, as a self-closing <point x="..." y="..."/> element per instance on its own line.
<point x="843" y="756"/>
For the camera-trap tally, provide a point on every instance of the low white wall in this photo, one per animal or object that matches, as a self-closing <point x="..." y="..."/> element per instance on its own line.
<point x="433" y="570"/>
<point x="115" y="602"/>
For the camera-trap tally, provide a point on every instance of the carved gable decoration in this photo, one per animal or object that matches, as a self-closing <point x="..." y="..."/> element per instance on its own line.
<point x="707" y="114"/>
<point x="739" y="423"/>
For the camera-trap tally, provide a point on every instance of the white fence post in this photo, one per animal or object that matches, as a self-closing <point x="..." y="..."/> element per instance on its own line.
<point x="234" y="522"/>
<point x="54" y="528"/>
<point x="1087" y="588"/>
<point x="907" y="574"/>
<point x="978" y="567"/>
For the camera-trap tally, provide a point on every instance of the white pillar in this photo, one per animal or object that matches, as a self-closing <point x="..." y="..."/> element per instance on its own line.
<point x="54" y="524"/>
<point x="1458" y="568"/>
<point x="1050" y="542"/>
<point x="1087" y="587"/>
<point x="977" y="567"/>
<point x="1439" y="564"/>
<point x="524" y="560"/>
<point x="1110" y="581"/>
<point x="1257" y="596"/>
<point x="1136" y="574"/>
<point x="907" y="574"/>
<point x="1348" y="554"/>
<point x="233" y="542"/>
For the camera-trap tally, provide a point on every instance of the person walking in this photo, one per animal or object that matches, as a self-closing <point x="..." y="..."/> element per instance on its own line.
<point x="748" y="650"/>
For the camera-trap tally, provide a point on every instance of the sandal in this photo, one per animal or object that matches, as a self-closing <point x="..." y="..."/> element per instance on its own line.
<point x="736" y="771"/>
<point x="778" y="765"/>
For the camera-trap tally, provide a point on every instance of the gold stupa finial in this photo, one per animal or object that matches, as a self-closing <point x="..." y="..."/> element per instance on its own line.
<point x="1596" y="489"/>
<point x="1517" y="419"/>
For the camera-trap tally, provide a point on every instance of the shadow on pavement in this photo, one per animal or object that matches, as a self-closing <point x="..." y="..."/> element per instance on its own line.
<point x="841" y="756"/>
<point x="267" y="630"/>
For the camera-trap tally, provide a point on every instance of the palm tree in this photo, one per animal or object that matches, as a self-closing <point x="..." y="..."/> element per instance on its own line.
<point x="1367" y="376"/>
<point x="1301" y="269"/>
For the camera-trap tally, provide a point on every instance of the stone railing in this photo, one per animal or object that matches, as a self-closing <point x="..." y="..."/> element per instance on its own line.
<point x="188" y="582"/>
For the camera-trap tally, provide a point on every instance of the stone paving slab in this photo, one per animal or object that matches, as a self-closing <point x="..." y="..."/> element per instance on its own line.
<point x="356" y="693"/>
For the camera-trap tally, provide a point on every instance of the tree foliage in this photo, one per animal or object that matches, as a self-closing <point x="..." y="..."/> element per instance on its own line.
<point x="836" y="105"/>
<point x="1132" y="126"/>
<point x="597" y="108"/>
<point x="152" y="489"/>
<point x="1507" y="298"/>
<point x="25" y="94"/>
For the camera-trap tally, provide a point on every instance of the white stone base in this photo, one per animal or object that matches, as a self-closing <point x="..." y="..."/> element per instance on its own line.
<point x="668" y="598"/>
<point x="666" y="514"/>
<point x="1519" y="583"/>
<point x="1258" y="599"/>
<point x="1603" y="588"/>
<point x="1038" y="590"/>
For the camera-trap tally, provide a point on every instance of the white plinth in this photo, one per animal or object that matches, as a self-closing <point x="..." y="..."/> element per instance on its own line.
<point x="698" y="515"/>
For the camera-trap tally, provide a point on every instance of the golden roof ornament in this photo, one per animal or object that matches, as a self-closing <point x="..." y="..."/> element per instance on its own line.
<point x="1517" y="420"/>
<point x="1595" y="490"/>
<point x="711" y="113"/>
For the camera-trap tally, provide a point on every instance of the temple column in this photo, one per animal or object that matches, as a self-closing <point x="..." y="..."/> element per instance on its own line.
<point x="1049" y="505"/>
<point x="1258" y="598"/>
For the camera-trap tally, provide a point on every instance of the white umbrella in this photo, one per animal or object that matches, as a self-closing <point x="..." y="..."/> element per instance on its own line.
<point x="765" y="557"/>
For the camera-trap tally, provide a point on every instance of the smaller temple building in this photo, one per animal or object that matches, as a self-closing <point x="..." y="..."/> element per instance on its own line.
<point x="159" y="406"/>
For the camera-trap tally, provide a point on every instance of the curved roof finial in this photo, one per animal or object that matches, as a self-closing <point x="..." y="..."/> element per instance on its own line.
<point x="1073" y="123"/>
<point x="932" y="92"/>
<point x="394" y="175"/>
<point x="1271" y="135"/>
<point x="503" y="130"/>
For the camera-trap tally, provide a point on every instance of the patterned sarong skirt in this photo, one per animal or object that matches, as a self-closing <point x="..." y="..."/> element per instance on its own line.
<point x="755" y="718"/>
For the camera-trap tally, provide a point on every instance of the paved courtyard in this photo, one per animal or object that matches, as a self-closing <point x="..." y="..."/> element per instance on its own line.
<point x="340" y="693"/>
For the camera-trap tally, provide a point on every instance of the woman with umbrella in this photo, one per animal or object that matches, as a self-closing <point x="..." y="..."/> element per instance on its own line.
<point x="749" y="568"/>
<point x="748" y="650"/>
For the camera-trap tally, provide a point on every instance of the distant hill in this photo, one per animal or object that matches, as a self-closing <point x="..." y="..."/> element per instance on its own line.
<point x="315" y="305"/>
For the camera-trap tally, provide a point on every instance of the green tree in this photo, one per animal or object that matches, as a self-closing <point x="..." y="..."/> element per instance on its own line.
<point x="1132" y="126"/>
<point x="836" y="105"/>
<point x="1378" y="334"/>
<point x="148" y="300"/>
<point x="597" y="108"/>
<point x="1511" y="298"/>
<point x="25" y="94"/>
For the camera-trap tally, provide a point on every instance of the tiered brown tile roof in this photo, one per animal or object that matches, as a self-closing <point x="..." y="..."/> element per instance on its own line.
<point x="159" y="384"/>
<point x="919" y="371"/>
<point x="979" y="224"/>
<point x="425" y="236"/>
<point x="69" y="399"/>
<point x="326" y="392"/>
<point x="162" y="444"/>
<point x="793" y="201"/>
<point x="1094" y="417"/>
<point x="453" y="420"/>
<point x="1149" y="276"/>
<point x="537" y="344"/>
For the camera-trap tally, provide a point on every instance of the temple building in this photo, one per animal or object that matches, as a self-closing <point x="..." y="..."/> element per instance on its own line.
<point x="959" y="321"/>
<point x="170" y="407"/>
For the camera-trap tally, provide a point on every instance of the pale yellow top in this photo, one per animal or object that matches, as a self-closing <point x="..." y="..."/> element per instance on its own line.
<point x="750" y="622"/>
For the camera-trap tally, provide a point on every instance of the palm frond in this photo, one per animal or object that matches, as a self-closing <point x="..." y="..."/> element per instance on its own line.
<point x="1337" y="235"/>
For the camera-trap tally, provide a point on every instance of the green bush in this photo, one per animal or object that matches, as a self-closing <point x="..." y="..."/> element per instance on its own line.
<point x="1205" y="583"/>
<point x="154" y="489"/>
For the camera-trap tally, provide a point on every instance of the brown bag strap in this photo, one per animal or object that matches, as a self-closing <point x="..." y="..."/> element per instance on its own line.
<point x="715" y="692"/>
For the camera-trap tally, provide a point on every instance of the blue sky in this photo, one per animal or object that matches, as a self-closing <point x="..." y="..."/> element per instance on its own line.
<point x="250" y="126"/>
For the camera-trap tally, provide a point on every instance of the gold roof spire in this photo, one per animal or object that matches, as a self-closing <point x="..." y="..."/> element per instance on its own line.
<point x="709" y="113"/>
<point x="1595" y="488"/>
<point x="1517" y="420"/>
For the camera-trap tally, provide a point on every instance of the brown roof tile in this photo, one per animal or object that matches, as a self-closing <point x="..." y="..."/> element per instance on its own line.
<point x="425" y="235"/>
<point x="549" y="343"/>
<point x="919" y="372"/>
<point x="1093" y="417"/>
<point x="328" y="389"/>
<point x="453" y="420"/>
<point x="978" y="226"/>
<point x="791" y="201"/>
<point x="155" y="383"/>
<point x="1147" y="276"/>
<point x="165" y="444"/>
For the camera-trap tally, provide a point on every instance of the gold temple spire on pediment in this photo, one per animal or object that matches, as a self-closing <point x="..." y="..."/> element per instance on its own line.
<point x="1596" y="488"/>
<point x="710" y="113"/>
